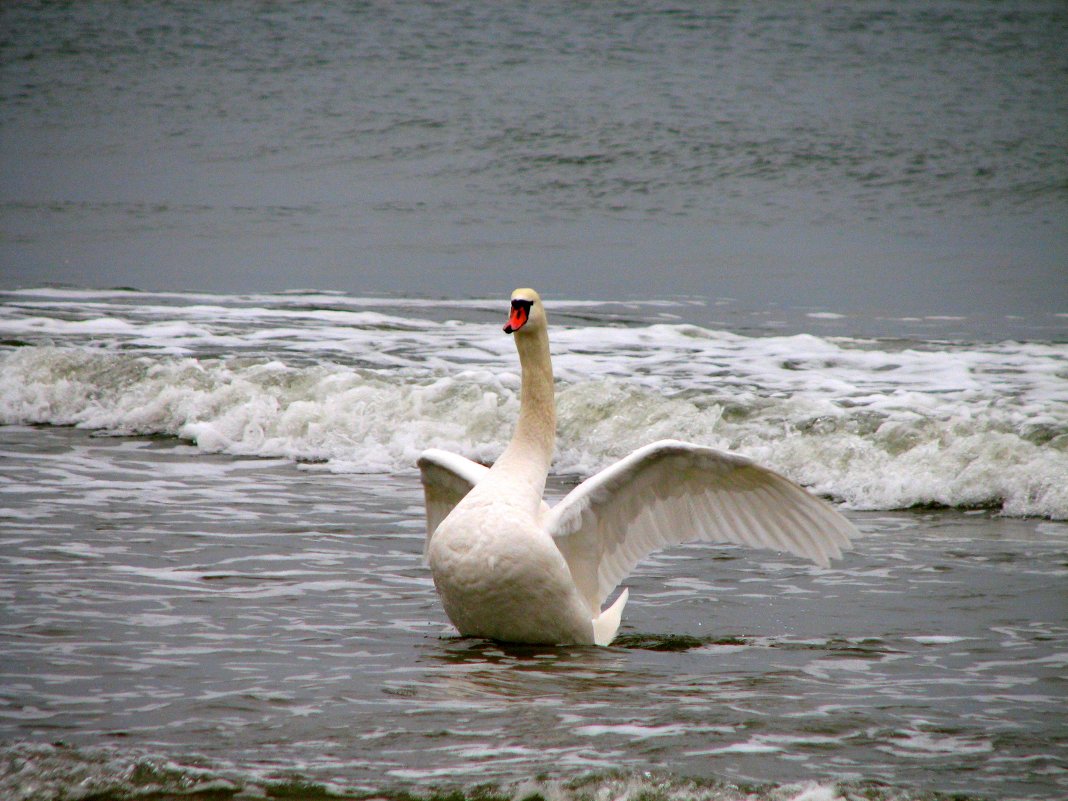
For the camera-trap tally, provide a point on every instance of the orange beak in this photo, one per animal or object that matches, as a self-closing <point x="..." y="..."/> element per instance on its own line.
<point x="517" y="319"/>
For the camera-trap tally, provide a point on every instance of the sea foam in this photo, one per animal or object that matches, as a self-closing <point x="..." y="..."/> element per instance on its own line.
<point x="43" y="771"/>
<point x="364" y="385"/>
<point x="869" y="447"/>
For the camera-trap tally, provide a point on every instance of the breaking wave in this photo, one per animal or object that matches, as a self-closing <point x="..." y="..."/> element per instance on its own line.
<point x="872" y="428"/>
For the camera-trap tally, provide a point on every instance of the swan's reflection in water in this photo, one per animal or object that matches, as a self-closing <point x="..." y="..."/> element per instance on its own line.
<point x="468" y="667"/>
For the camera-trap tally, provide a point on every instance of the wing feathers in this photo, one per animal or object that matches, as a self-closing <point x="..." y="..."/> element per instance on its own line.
<point x="447" y="478"/>
<point x="787" y="530"/>
<point x="672" y="492"/>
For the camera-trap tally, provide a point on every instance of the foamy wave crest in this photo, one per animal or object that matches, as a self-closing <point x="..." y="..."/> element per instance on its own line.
<point x="880" y="449"/>
<point x="355" y="419"/>
<point x="869" y="460"/>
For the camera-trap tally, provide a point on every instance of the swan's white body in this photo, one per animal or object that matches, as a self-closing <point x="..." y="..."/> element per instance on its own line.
<point x="509" y="568"/>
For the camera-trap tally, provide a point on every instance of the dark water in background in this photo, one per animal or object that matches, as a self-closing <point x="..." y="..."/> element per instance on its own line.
<point x="904" y="158"/>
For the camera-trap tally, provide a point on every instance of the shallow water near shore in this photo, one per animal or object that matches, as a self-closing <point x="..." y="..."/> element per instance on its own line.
<point x="175" y="620"/>
<point x="211" y="532"/>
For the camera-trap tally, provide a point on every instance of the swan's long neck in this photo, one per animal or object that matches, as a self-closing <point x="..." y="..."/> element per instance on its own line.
<point x="530" y="452"/>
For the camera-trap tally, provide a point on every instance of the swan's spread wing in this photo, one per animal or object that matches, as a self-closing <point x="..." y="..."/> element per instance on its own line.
<point x="672" y="492"/>
<point x="447" y="478"/>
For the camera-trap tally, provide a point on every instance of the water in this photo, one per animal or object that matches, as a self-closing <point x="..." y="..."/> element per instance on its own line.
<point x="365" y="384"/>
<point x="243" y="623"/>
<point x="254" y="257"/>
<point x="902" y="158"/>
<point x="212" y="528"/>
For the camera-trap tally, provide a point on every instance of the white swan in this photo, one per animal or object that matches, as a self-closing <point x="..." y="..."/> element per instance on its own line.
<point x="509" y="568"/>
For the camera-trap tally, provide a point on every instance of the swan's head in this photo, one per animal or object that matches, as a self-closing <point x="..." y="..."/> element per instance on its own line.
<point x="527" y="312"/>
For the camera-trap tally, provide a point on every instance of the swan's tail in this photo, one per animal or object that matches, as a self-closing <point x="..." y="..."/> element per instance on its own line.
<point x="606" y="624"/>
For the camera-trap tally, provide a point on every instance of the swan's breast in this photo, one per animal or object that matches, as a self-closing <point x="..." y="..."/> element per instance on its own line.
<point x="501" y="576"/>
<point x="483" y="545"/>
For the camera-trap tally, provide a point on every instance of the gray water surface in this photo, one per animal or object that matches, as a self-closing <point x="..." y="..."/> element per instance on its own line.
<point x="267" y="621"/>
<point x="904" y="158"/>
